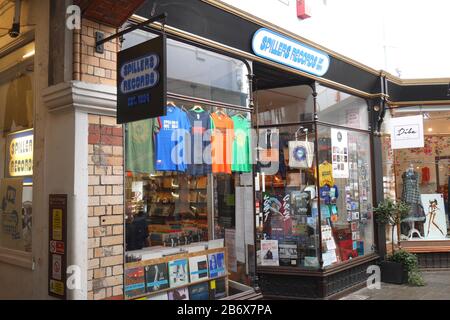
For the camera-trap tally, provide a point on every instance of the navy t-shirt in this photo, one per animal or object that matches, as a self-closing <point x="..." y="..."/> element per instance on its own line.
<point x="200" y="161"/>
<point x="329" y="194"/>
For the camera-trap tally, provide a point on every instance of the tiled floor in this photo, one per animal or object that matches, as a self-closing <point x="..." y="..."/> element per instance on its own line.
<point x="437" y="287"/>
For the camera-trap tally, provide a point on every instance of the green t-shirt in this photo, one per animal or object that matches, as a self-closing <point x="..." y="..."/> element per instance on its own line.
<point x="241" y="145"/>
<point x="139" y="140"/>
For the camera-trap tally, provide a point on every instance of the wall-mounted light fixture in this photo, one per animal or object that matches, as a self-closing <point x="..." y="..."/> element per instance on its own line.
<point x="28" y="54"/>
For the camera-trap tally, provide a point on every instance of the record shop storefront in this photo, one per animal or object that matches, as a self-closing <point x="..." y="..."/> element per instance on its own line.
<point x="272" y="184"/>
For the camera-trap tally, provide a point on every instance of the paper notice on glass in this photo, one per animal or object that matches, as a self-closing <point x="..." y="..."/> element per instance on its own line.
<point x="230" y="244"/>
<point x="138" y="188"/>
<point x="329" y="257"/>
<point x="240" y="224"/>
<point x="269" y="253"/>
<point x="249" y="216"/>
<point x="331" y="245"/>
<point x="326" y="233"/>
<point x="257" y="184"/>
<point x="339" y="153"/>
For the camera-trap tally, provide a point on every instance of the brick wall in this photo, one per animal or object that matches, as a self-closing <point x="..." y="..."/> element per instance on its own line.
<point x="106" y="210"/>
<point x="90" y="66"/>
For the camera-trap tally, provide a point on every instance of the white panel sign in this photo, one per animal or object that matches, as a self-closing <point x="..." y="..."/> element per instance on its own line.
<point x="407" y="132"/>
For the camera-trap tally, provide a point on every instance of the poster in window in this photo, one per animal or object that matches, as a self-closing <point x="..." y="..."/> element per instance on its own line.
<point x="11" y="213"/>
<point x="339" y="151"/>
<point x="269" y="253"/>
<point x="435" y="226"/>
<point x="277" y="219"/>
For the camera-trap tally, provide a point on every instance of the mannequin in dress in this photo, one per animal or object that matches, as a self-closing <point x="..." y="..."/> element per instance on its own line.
<point x="411" y="195"/>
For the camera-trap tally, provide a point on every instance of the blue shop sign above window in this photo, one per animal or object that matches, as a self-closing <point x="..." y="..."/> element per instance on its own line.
<point x="276" y="47"/>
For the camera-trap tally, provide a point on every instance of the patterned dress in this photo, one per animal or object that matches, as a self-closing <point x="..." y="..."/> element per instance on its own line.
<point x="411" y="192"/>
<point x="411" y="195"/>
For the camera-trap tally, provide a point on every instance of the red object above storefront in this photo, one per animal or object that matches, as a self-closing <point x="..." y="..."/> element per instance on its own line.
<point x="109" y="12"/>
<point x="303" y="9"/>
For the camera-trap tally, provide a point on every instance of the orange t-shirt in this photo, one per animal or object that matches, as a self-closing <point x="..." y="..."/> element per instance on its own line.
<point x="221" y="143"/>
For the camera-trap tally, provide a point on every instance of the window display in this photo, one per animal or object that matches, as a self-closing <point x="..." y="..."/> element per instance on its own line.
<point x="315" y="193"/>
<point x="420" y="175"/>
<point x="345" y="194"/>
<point x="287" y="228"/>
<point x="180" y="208"/>
<point x="17" y="145"/>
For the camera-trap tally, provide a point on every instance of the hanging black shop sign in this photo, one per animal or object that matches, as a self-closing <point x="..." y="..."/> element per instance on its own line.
<point x="141" y="81"/>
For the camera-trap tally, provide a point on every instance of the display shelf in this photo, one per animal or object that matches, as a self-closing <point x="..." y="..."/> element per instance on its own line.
<point x="177" y="256"/>
<point x="149" y="294"/>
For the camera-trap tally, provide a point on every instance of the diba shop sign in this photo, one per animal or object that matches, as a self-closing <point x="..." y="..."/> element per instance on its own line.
<point x="139" y="74"/>
<point x="20" y="155"/>
<point x="273" y="46"/>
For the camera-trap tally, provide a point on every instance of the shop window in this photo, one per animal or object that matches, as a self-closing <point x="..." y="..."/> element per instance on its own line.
<point x="420" y="176"/>
<point x="189" y="203"/>
<point x="345" y="190"/>
<point x="315" y="179"/>
<point x="285" y="105"/>
<point x="189" y="71"/>
<point x="16" y="141"/>
<point x="287" y="214"/>
<point x="340" y="108"/>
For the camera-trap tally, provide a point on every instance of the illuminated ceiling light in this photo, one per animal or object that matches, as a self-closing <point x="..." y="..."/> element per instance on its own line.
<point x="430" y="129"/>
<point x="29" y="54"/>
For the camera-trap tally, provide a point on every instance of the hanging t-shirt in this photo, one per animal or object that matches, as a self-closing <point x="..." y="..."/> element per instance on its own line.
<point x="326" y="174"/>
<point x="200" y="139"/>
<point x="171" y="141"/>
<point x="270" y="159"/>
<point x="241" y="145"/>
<point x="329" y="194"/>
<point x="139" y="137"/>
<point x="221" y="143"/>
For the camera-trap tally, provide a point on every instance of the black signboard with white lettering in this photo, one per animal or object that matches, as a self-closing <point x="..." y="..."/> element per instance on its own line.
<point x="141" y="81"/>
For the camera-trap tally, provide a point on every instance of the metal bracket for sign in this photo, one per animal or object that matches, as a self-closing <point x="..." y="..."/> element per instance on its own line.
<point x="160" y="17"/>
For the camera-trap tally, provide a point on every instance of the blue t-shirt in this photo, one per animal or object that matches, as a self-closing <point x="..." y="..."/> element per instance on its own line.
<point x="171" y="141"/>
